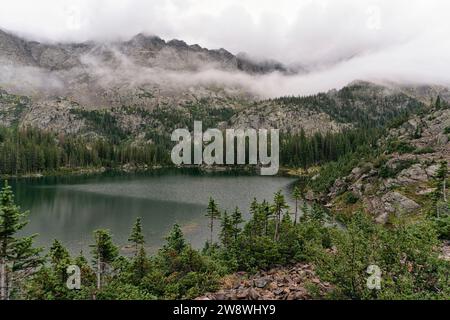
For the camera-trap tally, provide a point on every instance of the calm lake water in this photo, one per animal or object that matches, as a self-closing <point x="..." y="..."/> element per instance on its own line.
<point x="70" y="208"/>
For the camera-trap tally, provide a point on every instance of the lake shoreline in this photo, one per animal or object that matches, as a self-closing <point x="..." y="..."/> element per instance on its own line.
<point x="69" y="208"/>
<point x="133" y="169"/>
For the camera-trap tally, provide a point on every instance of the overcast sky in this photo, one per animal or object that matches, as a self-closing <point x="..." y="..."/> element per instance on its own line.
<point x="408" y="39"/>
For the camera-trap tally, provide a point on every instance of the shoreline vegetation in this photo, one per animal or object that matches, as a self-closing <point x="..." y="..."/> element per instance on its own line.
<point x="132" y="169"/>
<point x="408" y="252"/>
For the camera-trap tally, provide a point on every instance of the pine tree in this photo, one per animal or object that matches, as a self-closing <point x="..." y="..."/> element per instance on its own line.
<point x="104" y="253"/>
<point x="236" y="220"/>
<point x="60" y="259"/>
<point x="278" y="206"/>
<point x="213" y="213"/>
<point x="441" y="185"/>
<point x="267" y="212"/>
<point x="141" y="265"/>
<point x="254" y="206"/>
<point x="438" y="102"/>
<point x="254" y="222"/>
<point x="137" y="237"/>
<point x="175" y="240"/>
<point x="227" y="231"/>
<point x="17" y="256"/>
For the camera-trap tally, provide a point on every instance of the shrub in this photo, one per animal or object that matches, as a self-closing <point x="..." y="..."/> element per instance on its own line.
<point x="424" y="150"/>
<point x="400" y="147"/>
<point x="350" y="198"/>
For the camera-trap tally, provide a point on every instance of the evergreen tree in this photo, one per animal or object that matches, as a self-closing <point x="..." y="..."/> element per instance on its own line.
<point x="440" y="195"/>
<point x="213" y="213"/>
<point x="104" y="253"/>
<point x="227" y="232"/>
<point x="267" y="213"/>
<point x="137" y="237"/>
<point x="278" y="207"/>
<point x="175" y="240"/>
<point x="60" y="259"/>
<point x="296" y="195"/>
<point x="254" y="226"/>
<point x="141" y="265"/>
<point x="236" y="220"/>
<point x="17" y="255"/>
<point x="438" y="102"/>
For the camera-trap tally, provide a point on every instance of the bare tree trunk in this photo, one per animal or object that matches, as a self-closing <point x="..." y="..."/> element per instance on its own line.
<point x="211" y="225"/>
<point x="9" y="284"/>
<point x="2" y="279"/>
<point x="99" y="272"/>
<point x="296" y="211"/>
<point x="277" y="224"/>
<point x="443" y="191"/>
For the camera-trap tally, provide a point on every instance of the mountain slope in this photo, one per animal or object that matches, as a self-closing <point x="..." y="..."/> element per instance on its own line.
<point x="403" y="176"/>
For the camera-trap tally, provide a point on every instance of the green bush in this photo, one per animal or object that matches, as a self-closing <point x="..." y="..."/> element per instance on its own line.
<point x="350" y="198"/>
<point x="424" y="150"/>
<point x="400" y="147"/>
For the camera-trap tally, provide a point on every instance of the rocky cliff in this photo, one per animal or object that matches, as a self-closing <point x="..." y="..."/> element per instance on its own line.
<point x="402" y="179"/>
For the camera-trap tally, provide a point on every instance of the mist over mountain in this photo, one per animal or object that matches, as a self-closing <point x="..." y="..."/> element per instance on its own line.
<point x="91" y="70"/>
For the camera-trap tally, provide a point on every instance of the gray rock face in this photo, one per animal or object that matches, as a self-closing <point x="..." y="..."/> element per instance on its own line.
<point x="54" y="114"/>
<point x="391" y="202"/>
<point x="394" y="201"/>
<point x="14" y="49"/>
<point x="408" y="178"/>
<point x="272" y="115"/>
<point x="148" y="51"/>
<point x="416" y="173"/>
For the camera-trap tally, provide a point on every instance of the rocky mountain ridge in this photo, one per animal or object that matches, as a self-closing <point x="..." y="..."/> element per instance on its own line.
<point x="145" y="50"/>
<point x="146" y="87"/>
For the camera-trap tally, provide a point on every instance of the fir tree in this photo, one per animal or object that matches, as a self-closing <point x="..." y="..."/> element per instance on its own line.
<point x="18" y="258"/>
<point x="60" y="259"/>
<point x="104" y="253"/>
<point x="213" y="213"/>
<point x="227" y="232"/>
<point x="137" y="237"/>
<point x="236" y="220"/>
<point x="440" y="195"/>
<point x="141" y="265"/>
<point x="278" y="207"/>
<point x="267" y="213"/>
<point x="175" y="240"/>
<point x="438" y="102"/>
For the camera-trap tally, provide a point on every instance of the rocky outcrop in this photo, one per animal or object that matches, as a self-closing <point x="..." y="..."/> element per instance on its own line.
<point x="273" y="115"/>
<point x="445" y="251"/>
<point x="284" y="283"/>
<point x="333" y="111"/>
<point x="402" y="179"/>
<point x="390" y="203"/>
<point x="55" y="115"/>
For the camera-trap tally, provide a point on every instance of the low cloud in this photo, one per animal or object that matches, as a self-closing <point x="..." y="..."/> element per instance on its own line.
<point x="337" y="41"/>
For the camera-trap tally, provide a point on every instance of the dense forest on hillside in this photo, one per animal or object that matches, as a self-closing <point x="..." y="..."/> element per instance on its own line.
<point x="30" y="150"/>
<point x="106" y="142"/>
